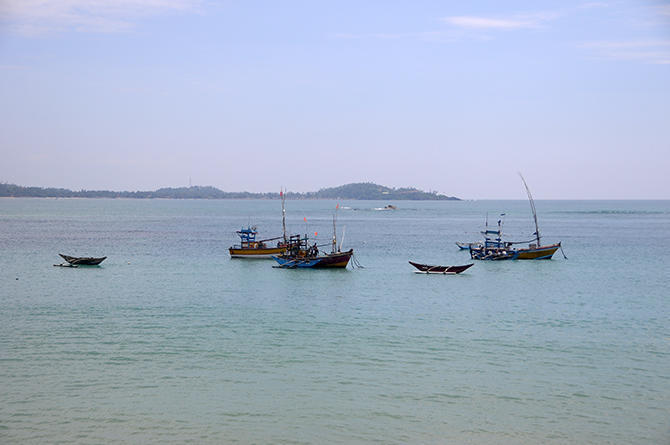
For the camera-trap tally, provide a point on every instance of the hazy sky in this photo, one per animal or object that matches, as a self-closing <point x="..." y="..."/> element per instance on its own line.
<point x="453" y="96"/>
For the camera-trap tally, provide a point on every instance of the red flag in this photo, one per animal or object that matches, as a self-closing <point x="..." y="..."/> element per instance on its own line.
<point x="337" y="206"/>
<point x="281" y="193"/>
<point x="315" y="233"/>
<point x="305" y="218"/>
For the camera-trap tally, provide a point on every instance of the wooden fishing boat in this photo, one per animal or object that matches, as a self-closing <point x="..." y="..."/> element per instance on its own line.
<point x="251" y="248"/>
<point x="301" y="255"/>
<point x="494" y="248"/>
<point x="82" y="261"/>
<point x="445" y="270"/>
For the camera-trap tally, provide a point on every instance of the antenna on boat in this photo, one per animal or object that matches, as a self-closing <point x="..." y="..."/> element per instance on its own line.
<point x="532" y="207"/>
<point x="283" y="213"/>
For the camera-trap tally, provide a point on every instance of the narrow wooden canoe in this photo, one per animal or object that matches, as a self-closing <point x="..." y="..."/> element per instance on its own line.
<point x="445" y="270"/>
<point x="82" y="261"/>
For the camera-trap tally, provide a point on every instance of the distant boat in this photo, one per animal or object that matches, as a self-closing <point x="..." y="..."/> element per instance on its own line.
<point x="300" y="255"/>
<point x="249" y="247"/>
<point x="494" y="248"/>
<point x="445" y="270"/>
<point x="390" y="207"/>
<point x="82" y="261"/>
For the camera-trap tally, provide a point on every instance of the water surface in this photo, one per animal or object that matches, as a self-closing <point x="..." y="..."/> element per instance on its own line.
<point x="170" y="341"/>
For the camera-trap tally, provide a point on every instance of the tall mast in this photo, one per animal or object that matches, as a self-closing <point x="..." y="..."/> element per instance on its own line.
<point x="334" y="229"/>
<point x="283" y="214"/>
<point x="532" y="207"/>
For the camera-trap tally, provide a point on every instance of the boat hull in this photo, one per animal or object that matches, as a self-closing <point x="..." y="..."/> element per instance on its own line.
<point x="82" y="261"/>
<point x="538" y="253"/>
<point x="328" y="261"/>
<point x="531" y="253"/>
<point x="259" y="253"/>
<point x="444" y="270"/>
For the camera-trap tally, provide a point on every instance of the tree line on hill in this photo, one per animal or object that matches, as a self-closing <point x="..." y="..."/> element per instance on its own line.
<point x="357" y="191"/>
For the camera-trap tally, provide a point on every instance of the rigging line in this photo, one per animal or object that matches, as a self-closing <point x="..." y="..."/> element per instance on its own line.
<point x="532" y="207"/>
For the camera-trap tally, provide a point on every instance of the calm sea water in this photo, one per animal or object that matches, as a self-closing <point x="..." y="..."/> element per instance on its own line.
<point x="170" y="341"/>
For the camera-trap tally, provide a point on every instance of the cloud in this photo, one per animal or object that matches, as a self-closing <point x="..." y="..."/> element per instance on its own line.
<point x="31" y="17"/>
<point x="591" y="5"/>
<point x="433" y="36"/>
<point x="650" y="51"/>
<point x="519" y="21"/>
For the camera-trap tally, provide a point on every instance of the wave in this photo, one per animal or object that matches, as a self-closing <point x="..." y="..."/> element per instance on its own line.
<point x="610" y="212"/>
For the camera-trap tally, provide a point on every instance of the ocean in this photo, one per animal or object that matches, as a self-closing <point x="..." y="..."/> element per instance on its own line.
<point x="171" y="341"/>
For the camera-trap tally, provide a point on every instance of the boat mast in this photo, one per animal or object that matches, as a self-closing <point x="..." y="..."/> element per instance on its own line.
<point x="283" y="213"/>
<point x="532" y="207"/>
<point x="334" y="229"/>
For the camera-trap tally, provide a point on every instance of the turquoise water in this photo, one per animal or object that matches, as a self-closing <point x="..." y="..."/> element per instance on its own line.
<point x="170" y="341"/>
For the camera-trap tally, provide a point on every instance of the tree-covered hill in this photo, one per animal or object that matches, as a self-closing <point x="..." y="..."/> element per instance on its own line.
<point x="362" y="191"/>
<point x="368" y="190"/>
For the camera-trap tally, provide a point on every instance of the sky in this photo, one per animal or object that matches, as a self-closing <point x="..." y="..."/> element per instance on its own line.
<point x="448" y="96"/>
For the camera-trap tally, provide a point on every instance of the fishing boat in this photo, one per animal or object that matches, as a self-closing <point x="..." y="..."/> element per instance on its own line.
<point x="250" y="247"/>
<point x="445" y="270"/>
<point x="494" y="248"/>
<point x="301" y="255"/>
<point x="82" y="261"/>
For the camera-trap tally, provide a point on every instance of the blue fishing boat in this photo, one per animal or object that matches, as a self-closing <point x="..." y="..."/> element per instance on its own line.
<point x="494" y="248"/>
<point x="301" y="255"/>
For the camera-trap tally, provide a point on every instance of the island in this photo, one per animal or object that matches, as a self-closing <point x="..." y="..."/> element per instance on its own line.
<point x="354" y="191"/>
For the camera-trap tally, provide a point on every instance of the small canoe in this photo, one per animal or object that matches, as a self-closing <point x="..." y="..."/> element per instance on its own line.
<point x="82" y="261"/>
<point x="445" y="270"/>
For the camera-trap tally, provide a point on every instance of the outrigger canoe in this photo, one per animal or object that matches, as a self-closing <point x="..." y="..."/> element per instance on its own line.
<point x="82" y="261"/>
<point x="444" y="270"/>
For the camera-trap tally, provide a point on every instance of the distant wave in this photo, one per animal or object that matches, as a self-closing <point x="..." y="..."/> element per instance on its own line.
<point x="610" y="212"/>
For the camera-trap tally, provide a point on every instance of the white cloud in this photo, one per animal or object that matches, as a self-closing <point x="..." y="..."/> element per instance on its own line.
<point x="591" y="5"/>
<point x="647" y="51"/>
<point x="44" y="16"/>
<point x="519" y="21"/>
